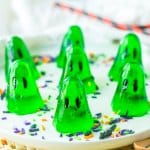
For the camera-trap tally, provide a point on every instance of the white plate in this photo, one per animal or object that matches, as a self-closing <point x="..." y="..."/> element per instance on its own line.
<point x="101" y="104"/>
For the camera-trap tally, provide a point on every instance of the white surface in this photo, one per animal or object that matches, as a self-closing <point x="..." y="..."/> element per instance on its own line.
<point x="102" y="104"/>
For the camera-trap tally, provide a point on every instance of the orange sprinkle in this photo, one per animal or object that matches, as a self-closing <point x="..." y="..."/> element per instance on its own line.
<point x="4" y="142"/>
<point x="45" y="59"/>
<point x="88" y="136"/>
<point x="123" y="120"/>
<point x="108" y="60"/>
<point x="1" y="91"/>
<point x="91" y="54"/>
<point x="107" y="122"/>
<point x="43" y="119"/>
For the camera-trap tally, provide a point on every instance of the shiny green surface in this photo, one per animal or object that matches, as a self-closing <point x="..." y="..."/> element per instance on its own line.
<point x="72" y="113"/>
<point x="16" y="49"/>
<point x="22" y="93"/>
<point x="74" y="37"/>
<point x="129" y="51"/>
<point x="77" y="64"/>
<point x="130" y="98"/>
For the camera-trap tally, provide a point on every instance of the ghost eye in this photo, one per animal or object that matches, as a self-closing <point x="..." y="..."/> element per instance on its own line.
<point x="14" y="82"/>
<point x="77" y="42"/>
<point x="135" y="85"/>
<point x="19" y="53"/>
<point x="125" y="53"/>
<point x="134" y="53"/>
<point x="78" y="102"/>
<point x="125" y="84"/>
<point x="66" y="102"/>
<point x="24" y="82"/>
<point x="71" y="66"/>
<point x="80" y="66"/>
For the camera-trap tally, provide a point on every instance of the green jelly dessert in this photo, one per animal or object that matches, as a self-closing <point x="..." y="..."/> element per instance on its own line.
<point x="22" y="93"/>
<point x="130" y="98"/>
<point x="74" y="37"/>
<point x="72" y="113"/>
<point x="16" y="49"/>
<point x="77" y="64"/>
<point x="129" y="51"/>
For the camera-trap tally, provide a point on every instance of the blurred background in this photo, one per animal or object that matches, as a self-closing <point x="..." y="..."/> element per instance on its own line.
<point x="42" y="20"/>
<point x="28" y="17"/>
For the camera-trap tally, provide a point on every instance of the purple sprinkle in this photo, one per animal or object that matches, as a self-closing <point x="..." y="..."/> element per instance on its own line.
<point x="43" y="138"/>
<point x="44" y="86"/>
<point x="4" y="118"/>
<point x="16" y="130"/>
<point x="71" y="139"/>
<point x="23" y="131"/>
<point x="27" y="123"/>
<point x="52" y="116"/>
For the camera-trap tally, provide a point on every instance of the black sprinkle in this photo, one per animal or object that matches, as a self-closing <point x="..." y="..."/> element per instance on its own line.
<point x="97" y="93"/>
<point x="49" y="81"/>
<point x="98" y="115"/>
<point x="61" y="135"/>
<point x="33" y="134"/>
<point x="127" y="117"/>
<point x="34" y="130"/>
<point x="70" y="135"/>
<point x="93" y="96"/>
<point x="79" y="133"/>
<point x="45" y="108"/>
<point x="43" y="73"/>
<point x="107" y="132"/>
<point x="96" y="129"/>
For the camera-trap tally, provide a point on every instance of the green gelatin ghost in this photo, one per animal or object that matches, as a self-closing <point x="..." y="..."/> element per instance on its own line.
<point x="130" y="98"/>
<point x="77" y="64"/>
<point x="73" y="37"/>
<point x="22" y="93"/>
<point x="129" y="51"/>
<point x="72" y="114"/>
<point x="16" y="49"/>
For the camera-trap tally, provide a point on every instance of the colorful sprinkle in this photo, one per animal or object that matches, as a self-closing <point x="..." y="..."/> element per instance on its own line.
<point x="27" y="123"/>
<point x="4" y="118"/>
<point x="107" y="132"/>
<point x="4" y="142"/>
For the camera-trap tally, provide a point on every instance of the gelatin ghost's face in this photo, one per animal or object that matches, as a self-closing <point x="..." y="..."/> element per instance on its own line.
<point x="130" y="49"/>
<point x="133" y="83"/>
<point x="75" y="37"/>
<point x="16" y="49"/>
<point x="73" y="101"/>
<point x="21" y="83"/>
<point x="77" y="63"/>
